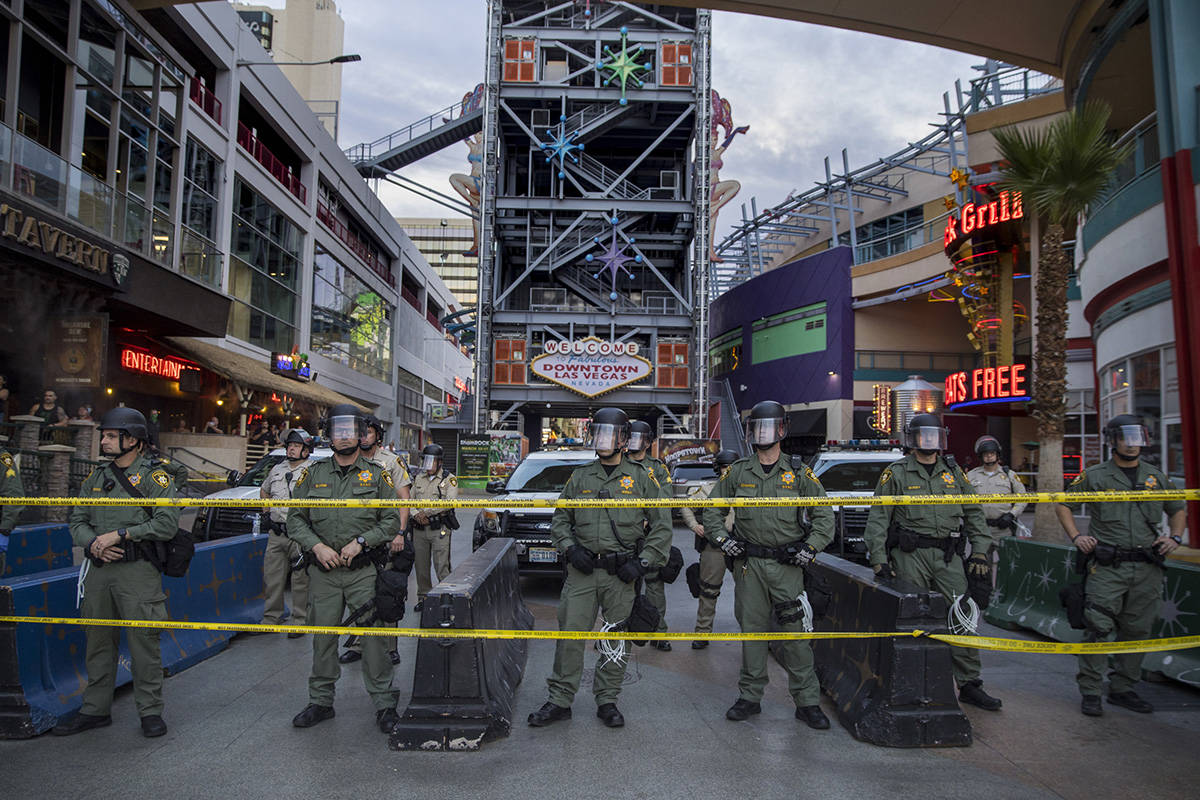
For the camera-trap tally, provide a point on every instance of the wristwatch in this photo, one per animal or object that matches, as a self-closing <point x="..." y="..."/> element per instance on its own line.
<point x="361" y="541"/>
<point x="122" y="534"/>
<point x="1176" y="539"/>
<point x="645" y="564"/>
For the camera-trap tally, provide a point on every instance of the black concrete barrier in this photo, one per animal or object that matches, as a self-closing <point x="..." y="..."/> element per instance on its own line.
<point x="463" y="689"/>
<point x="894" y="692"/>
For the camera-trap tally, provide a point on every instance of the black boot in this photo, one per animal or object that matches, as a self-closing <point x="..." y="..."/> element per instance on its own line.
<point x="386" y="719"/>
<point x="153" y="725"/>
<point x="350" y="656"/>
<point x="394" y="656"/>
<point x="80" y="723"/>
<point x="742" y="709"/>
<point x="700" y="644"/>
<point x="1090" y="706"/>
<point x="311" y="715"/>
<point x="972" y="692"/>
<point x="662" y="644"/>
<point x="611" y="717"/>
<point x="813" y="716"/>
<point x="1131" y="701"/>
<point x="548" y="714"/>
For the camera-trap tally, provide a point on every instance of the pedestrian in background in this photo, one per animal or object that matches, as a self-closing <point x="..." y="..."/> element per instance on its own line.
<point x="49" y="410"/>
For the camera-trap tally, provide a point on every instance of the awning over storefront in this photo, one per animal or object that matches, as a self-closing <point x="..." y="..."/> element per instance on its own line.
<point x="252" y="374"/>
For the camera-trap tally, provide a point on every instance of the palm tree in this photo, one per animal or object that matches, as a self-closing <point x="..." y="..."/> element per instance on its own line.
<point x="1060" y="170"/>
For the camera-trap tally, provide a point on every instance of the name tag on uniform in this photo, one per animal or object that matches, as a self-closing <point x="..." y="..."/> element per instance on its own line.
<point x="585" y="491"/>
<point x="747" y="486"/>
<point x="914" y="487"/>
<point x="320" y="485"/>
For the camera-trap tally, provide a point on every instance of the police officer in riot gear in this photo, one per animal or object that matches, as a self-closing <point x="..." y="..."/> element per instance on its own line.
<point x="926" y="545"/>
<point x="769" y="549"/>
<point x="370" y="445"/>
<point x="431" y="528"/>
<point x="1125" y="548"/>
<point x="641" y="436"/>
<point x="706" y="576"/>
<point x="342" y="575"/>
<point x="604" y="563"/>
<point x="281" y="551"/>
<point x="120" y="581"/>
<point x="995" y="478"/>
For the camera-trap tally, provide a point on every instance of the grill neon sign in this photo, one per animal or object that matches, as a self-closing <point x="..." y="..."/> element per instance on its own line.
<point x="975" y="217"/>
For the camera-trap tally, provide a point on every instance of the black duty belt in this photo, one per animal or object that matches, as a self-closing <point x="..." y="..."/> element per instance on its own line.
<point x="611" y="562"/>
<point x="908" y="541"/>
<point x="277" y="528"/>
<point x="1109" y="556"/>
<point x="780" y="553"/>
<point x="994" y="523"/>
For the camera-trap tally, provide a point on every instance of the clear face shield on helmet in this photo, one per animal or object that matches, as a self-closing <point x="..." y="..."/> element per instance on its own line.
<point x="926" y="437"/>
<point x="343" y="427"/>
<point x="638" y="441"/>
<point x="765" y="432"/>
<point x="428" y="463"/>
<point x="605" y="438"/>
<point x="1130" y="436"/>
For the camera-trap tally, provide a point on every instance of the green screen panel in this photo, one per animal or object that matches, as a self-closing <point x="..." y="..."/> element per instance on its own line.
<point x="795" y="338"/>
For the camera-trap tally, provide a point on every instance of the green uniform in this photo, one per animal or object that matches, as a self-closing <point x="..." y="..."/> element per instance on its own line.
<point x="130" y="589"/>
<point x="656" y="590"/>
<point x="282" y="551"/>
<point x="431" y="543"/>
<point x="584" y="595"/>
<point x="331" y="593"/>
<point x="177" y="471"/>
<point x="927" y="566"/>
<point x="760" y="585"/>
<point x="1130" y="591"/>
<point x="712" y="562"/>
<point x="10" y="486"/>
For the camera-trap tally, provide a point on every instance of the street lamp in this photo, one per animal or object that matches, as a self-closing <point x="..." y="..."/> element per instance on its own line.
<point x="347" y="58"/>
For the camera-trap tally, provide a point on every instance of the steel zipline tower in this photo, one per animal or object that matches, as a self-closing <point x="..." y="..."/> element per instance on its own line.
<point x="593" y="258"/>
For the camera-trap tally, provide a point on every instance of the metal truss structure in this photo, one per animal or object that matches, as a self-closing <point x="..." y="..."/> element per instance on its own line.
<point x="834" y="206"/>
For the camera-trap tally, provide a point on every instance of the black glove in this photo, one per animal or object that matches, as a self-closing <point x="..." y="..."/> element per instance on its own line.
<point x="884" y="570"/>
<point x="1007" y="520"/>
<point x="979" y="579"/>
<point x="978" y="566"/>
<point x="581" y="558"/>
<point x="731" y="547"/>
<point x="804" y="556"/>
<point x="631" y="570"/>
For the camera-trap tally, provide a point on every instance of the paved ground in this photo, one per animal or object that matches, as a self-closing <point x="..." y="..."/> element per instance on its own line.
<point x="231" y="735"/>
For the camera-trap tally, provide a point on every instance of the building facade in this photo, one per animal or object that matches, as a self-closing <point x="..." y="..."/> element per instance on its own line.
<point x="446" y="244"/>
<point x="186" y="236"/>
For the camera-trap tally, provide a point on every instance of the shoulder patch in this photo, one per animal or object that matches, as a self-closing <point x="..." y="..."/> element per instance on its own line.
<point x="453" y="480"/>
<point x="161" y="478"/>
<point x="387" y="478"/>
<point x="6" y="459"/>
<point x="885" y="476"/>
<point x="1079" y="478"/>
<point x="303" y="475"/>
<point x="653" y="477"/>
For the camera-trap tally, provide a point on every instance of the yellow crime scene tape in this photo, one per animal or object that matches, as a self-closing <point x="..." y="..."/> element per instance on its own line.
<point x="982" y="642"/>
<point x="1162" y="495"/>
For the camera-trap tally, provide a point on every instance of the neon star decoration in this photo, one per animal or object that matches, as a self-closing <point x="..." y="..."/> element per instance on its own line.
<point x="613" y="259"/>
<point x="623" y="66"/>
<point x="561" y="146"/>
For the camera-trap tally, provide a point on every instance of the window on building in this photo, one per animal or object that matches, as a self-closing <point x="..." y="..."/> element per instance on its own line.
<point x="264" y="269"/>
<point x="791" y="333"/>
<point x="199" y="255"/>
<point x="351" y="322"/>
<point x="1147" y="386"/>
<point x="519" y="60"/>
<point x="41" y="94"/>
<point x="671" y="365"/>
<point x="508" y="367"/>
<point x="676" y="64"/>
<point x="887" y="236"/>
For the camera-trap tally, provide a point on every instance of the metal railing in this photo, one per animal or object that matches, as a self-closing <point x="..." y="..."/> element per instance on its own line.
<point x="1143" y="158"/>
<point x="206" y="100"/>
<point x="1008" y="84"/>
<point x="898" y="359"/>
<point x="369" y="150"/>
<point x="356" y="245"/>
<point x="901" y="241"/>
<point x="281" y="172"/>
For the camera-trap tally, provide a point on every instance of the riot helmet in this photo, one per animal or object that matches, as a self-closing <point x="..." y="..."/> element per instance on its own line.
<point x="723" y="460"/>
<point x="297" y="436"/>
<point x="371" y="423"/>
<point x="608" y="431"/>
<point x="1126" y="429"/>
<point x="343" y="423"/>
<point x="987" y="444"/>
<point x="431" y="454"/>
<point x="641" y="435"/>
<point x="766" y="425"/>
<point x="130" y="422"/>
<point x="924" y="432"/>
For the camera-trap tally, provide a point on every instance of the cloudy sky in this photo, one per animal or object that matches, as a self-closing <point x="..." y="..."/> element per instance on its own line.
<point x="805" y="91"/>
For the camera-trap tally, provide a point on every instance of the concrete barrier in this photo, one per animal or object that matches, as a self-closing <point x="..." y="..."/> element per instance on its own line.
<point x="42" y="672"/>
<point x="463" y="688"/>
<point x="1030" y="574"/>
<point x="890" y="692"/>
<point x="38" y="548"/>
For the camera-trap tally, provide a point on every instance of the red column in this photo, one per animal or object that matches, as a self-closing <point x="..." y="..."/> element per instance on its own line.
<point x="1183" y="259"/>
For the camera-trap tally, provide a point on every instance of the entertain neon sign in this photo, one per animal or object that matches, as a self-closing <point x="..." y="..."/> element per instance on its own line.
<point x="1003" y="384"/>
<point x="150" y="364"/>
<point x="975" y="217"/>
